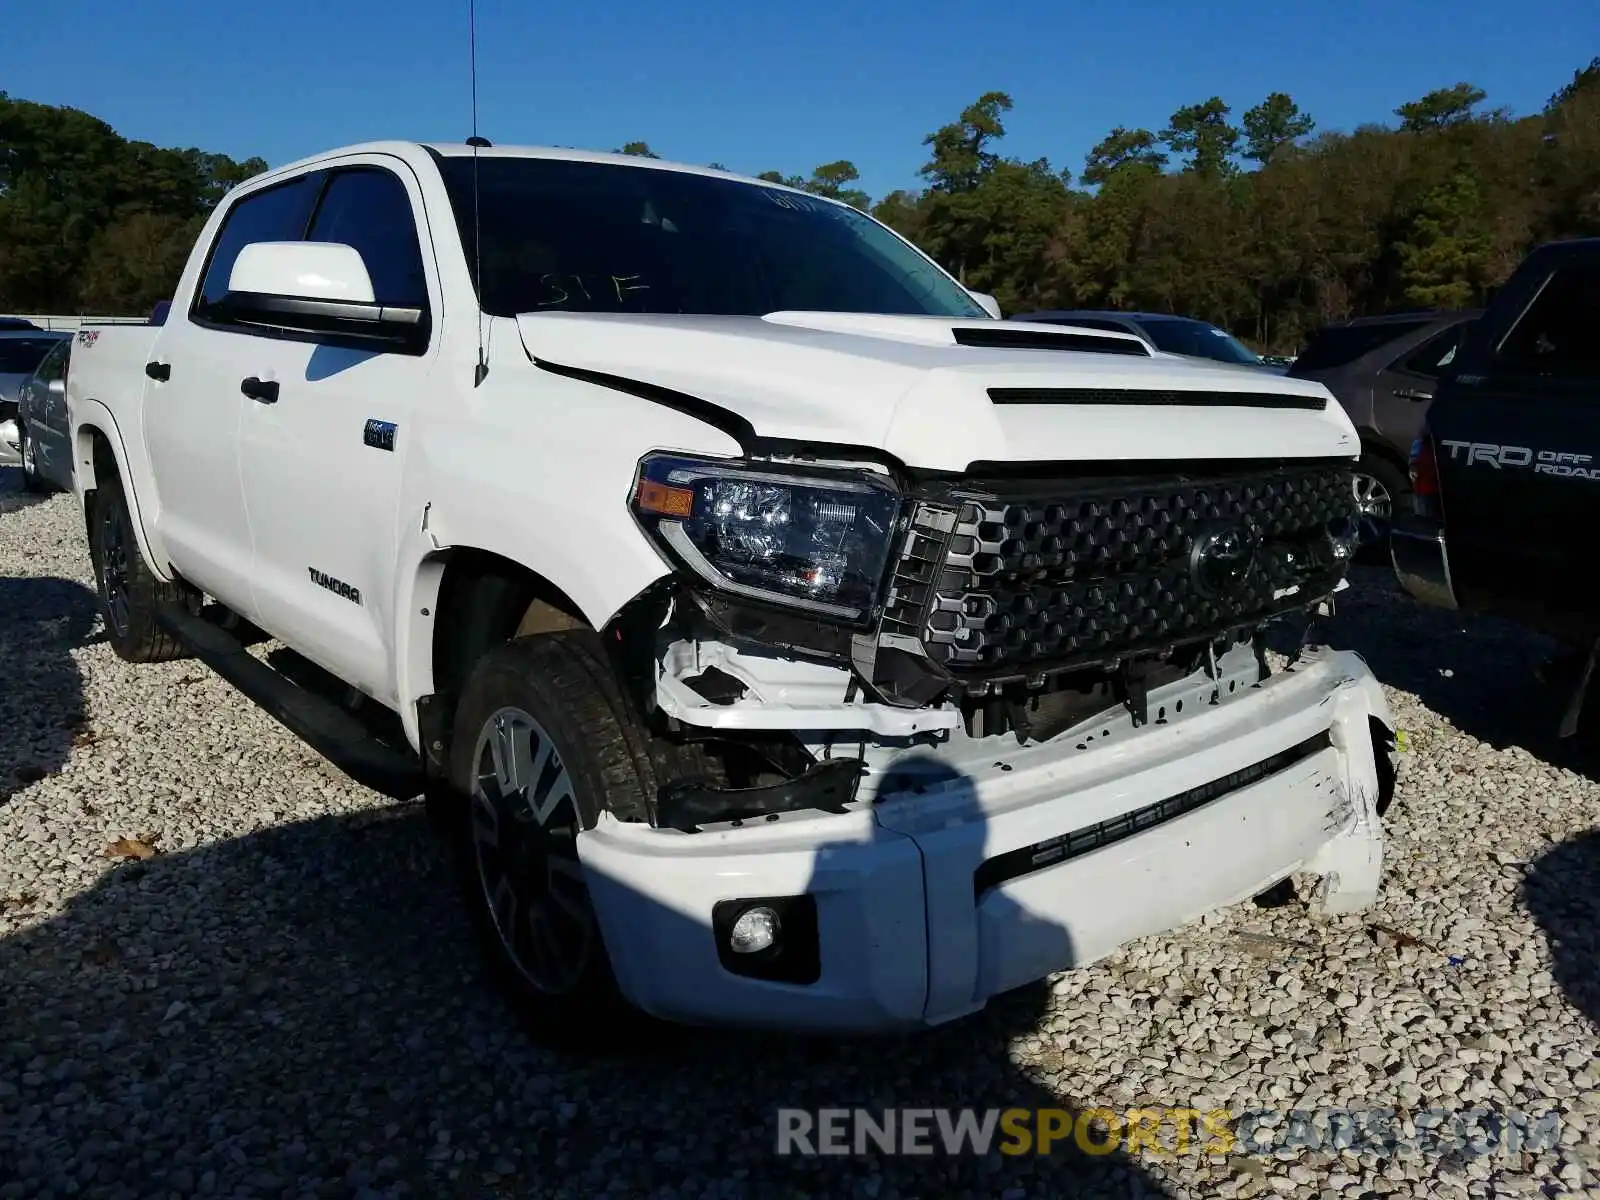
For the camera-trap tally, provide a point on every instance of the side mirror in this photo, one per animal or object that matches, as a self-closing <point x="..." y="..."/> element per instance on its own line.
<point x="989" y="304"/>
<point x="315" y="287"/>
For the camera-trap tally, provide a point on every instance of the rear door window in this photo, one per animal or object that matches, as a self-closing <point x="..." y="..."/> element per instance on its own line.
<point x="54" y="365"/>
<point x="1559" y="334"/>
<point x="21" y="355"/>
<point x="1340" y="345"/>
<point x="1435" y="354"/>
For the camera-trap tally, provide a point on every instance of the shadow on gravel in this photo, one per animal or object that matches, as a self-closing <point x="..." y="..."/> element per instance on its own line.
<point x="1476" y="672"/>
<point x="1562" y="891"/>
<point x="42" y="620"/>
<point x="12" y="496"/>
<point x="302" y="1011"/>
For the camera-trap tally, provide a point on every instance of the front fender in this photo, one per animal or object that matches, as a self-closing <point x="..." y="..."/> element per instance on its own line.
<point x="91" y="418"/>
<point x="537" y="470"/>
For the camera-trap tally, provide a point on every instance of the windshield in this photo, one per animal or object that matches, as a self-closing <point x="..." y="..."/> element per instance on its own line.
<point x="562" y="236"/>
<point x="20" y="355"/>
<point x="1198" y="340"/>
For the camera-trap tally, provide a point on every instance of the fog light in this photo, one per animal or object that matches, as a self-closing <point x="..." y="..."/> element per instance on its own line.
<point x="754" y="931"/>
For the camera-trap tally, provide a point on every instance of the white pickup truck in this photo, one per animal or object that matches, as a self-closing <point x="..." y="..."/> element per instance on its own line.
<point x="788" y="641"/>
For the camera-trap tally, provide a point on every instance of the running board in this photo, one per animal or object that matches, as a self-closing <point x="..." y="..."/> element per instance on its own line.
<point x="323" y="725"/>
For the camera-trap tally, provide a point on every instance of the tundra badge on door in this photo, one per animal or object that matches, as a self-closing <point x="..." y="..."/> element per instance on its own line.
<point x="337" y="586"/>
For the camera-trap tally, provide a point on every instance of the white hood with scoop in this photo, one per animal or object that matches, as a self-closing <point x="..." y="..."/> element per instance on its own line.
<point x="905" y="385"/>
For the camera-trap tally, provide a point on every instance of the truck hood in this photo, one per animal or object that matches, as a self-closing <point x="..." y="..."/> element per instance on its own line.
<point x="904" y="385"/>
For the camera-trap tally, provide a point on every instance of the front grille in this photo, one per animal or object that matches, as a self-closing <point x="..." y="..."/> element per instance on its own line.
<point x="1015" y="580"/>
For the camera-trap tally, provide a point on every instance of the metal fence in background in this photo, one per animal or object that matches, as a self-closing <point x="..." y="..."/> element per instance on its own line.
<point x="45" y="321"/>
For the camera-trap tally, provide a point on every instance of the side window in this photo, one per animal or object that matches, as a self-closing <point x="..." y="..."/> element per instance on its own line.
<point x="1435" y="354"/>
<point x="369" y="209"/>
<point x="1557" y="333"/>
<point x="277" y="214"/>
<point x="54" y="365"/>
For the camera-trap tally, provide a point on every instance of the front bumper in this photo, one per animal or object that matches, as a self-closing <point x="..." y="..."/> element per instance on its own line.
<point x="1422" y="562"/>
<point x="954" y="883"/>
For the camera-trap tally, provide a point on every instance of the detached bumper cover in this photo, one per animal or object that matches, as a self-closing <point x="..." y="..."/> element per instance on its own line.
<point x="1422" y="562"/>
<point x="1003" y="864"/>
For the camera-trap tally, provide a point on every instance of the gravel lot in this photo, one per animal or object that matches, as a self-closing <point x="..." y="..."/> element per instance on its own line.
<point x="282" y="1000"/>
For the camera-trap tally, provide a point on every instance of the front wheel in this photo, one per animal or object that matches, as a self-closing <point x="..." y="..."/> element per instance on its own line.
<point x="1381" y="490"/>
<point x="543" y="742"/>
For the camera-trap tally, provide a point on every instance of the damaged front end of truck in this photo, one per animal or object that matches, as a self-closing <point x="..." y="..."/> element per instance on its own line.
<point x="828" y="624"/>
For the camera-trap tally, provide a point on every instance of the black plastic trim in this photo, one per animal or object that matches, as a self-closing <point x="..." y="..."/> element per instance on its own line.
<point x="403" y="330"/>
<point x="1024" y="474"/>
<point x="1033" y="339"/>
<point x="729" y="422"/>
<point x="1025" y="860"/>
<point x="770" y="626"/>
<point x="751" y="444"/>
<point x="1155" y="396"/>
<point x="686" y="804"/>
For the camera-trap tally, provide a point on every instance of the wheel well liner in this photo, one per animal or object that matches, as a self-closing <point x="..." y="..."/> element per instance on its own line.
<point x="1376" y="444"/>
<point x="485" y="600"/>
<point x="103" y="458"/>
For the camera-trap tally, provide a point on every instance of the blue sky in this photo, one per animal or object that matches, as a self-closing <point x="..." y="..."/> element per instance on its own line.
<point x="759" y="85"/>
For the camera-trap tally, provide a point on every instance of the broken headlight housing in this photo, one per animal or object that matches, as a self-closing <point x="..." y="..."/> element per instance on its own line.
<point x="818" y="542"/>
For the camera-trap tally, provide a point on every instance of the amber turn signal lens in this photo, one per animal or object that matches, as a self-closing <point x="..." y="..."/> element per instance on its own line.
<point x="668" y="501"/>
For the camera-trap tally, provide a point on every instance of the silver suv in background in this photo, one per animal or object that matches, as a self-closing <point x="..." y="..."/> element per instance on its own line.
<point x="43" y="439"/>
<point x="21" y="352"/>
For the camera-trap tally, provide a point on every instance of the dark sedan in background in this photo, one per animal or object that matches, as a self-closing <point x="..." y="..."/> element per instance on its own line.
<point x="1383" y="371"/>
<point x="1176" y="335"/>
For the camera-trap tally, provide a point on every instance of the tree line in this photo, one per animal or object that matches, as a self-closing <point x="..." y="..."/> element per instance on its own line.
<point x="92" y="222"/>
<point x="1265" y="224"/>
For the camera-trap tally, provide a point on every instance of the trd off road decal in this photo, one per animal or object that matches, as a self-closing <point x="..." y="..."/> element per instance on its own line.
<point x="1541" y="462"/>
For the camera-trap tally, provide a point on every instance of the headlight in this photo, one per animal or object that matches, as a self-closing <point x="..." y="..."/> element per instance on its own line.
<point x="814" y="542"/>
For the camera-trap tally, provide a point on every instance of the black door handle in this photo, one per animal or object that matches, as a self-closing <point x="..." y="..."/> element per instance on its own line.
<point x="264" y="390"/>
<point x="159" y="371"/>
<point x="1412" y="394"/>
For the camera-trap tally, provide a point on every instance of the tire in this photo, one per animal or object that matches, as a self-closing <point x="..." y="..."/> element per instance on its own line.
<point x="130" y="593"/>
<point x="553" y="699"/>
<point x="31" y="479"/>
<point x="1382" y="489"/>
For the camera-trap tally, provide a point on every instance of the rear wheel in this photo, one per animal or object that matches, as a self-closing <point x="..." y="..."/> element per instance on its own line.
<point x="542" y="744"/>
<point x="130" y="593"/>
<point x="31" y="479"/>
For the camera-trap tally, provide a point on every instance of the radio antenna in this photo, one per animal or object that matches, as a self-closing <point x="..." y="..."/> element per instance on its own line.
<point x="482" y="369"/>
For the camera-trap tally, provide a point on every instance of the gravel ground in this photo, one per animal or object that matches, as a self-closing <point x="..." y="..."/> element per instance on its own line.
<point x="281" y="999"/>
